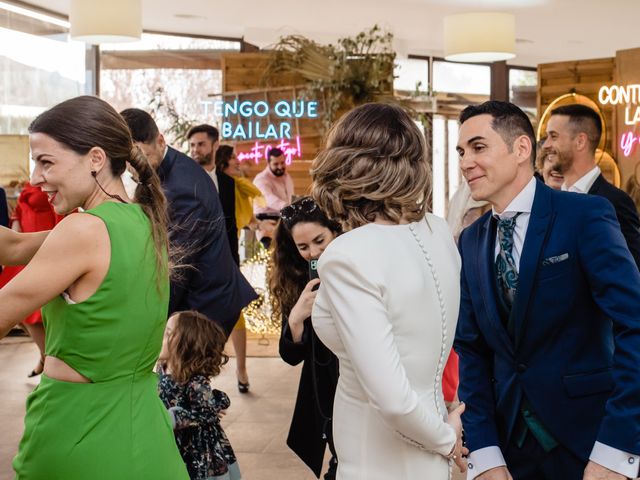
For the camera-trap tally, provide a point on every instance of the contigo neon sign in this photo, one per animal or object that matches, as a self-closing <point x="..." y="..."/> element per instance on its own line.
<point x="629" y="97"/>
<point x="248" y="120"/>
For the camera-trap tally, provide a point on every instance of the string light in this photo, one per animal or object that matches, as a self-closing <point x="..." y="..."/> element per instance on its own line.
<point x="258" y="314"/>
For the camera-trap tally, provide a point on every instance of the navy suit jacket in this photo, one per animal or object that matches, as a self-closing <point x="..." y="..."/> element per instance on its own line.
<point x="4" y="209"/>
<point x="575" y="351"/>
<point x="625" y="212"/>
<point x="210" y="282"/>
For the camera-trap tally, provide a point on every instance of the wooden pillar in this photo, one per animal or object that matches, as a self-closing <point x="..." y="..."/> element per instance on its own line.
<point x="627" y="72"/>
<point x="500" y="81"/>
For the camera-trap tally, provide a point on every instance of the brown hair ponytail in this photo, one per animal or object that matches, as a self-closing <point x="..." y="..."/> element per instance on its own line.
<point x="153" y="202"/>
<point x="82" y="123"/>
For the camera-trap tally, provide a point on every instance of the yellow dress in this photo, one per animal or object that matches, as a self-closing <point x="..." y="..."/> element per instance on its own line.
<point x="245" y="193"/>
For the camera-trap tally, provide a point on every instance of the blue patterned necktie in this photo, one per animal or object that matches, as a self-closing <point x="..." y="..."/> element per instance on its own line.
<point x="505" y="264"/>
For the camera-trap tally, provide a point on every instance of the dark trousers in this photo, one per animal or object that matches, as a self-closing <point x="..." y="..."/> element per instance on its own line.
<point x="531" y="462"/>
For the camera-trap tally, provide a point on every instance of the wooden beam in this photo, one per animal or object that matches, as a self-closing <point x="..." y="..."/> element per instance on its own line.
<point x="135" y="59"/>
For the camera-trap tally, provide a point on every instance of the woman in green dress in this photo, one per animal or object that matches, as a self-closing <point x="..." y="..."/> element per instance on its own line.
<point x="102" y="276"/>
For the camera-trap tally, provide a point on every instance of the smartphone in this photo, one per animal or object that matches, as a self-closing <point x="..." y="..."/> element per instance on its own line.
<point x="313" y="271"/>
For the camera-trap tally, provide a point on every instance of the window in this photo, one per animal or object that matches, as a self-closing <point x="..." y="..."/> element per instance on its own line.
<point x="446" y="171"/>
<point x="523" y="85"/>
<point x="173" y="77"/>
<point x="411" y="75"/>
<point x="46" y="69"/>
<point x="461" y="78"/>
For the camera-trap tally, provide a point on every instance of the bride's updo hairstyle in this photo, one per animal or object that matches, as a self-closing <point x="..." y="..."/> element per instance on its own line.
<point x="374" y="164"/>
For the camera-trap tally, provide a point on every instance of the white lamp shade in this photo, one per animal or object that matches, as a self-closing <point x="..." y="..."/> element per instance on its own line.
<point x="479" y="37"/>
<point x="106" y="21"/>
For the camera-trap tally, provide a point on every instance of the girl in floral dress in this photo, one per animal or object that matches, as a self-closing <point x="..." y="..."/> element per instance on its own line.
<point x="192" y="353"/>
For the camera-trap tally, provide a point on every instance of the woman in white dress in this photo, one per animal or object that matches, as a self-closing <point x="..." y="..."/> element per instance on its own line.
<point x="388" y="300"/>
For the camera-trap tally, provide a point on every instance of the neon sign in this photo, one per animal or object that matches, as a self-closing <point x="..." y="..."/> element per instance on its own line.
<point x="248" y="120"/>
<point x="624" y="95"/>
<point x="261" y="150"/>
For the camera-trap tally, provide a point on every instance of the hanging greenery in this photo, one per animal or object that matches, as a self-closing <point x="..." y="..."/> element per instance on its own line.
<point x="354" y="71"/>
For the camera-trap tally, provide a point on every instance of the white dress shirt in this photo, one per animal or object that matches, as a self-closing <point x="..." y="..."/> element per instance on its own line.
<point x="521" y="204"/>
<point x="584" y="184"/>
<point x="214" y="177"/>
<point x="487" y="458"/>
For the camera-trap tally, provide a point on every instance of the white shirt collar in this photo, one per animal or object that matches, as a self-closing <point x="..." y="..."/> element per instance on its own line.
<point x="584" y="184"/>
<point x="522" y="203"/>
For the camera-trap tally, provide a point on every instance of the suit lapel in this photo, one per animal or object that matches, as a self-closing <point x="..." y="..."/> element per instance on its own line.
<point x="540" y="222"/>
<point x="486" y="276"/>
<point x="597" y="185"/>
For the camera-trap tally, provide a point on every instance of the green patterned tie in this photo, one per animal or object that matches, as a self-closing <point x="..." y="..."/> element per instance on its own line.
<point x="505" y="264"/>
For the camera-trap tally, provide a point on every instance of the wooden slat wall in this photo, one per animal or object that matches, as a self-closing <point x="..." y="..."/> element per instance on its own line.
<point x="14" y="152"/>
<point x="584" y="77"/>
<point x="243" y="71"/>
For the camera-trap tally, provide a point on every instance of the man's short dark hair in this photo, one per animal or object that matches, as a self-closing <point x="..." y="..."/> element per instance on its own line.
<point x="582" y="119"/>
<point x="509" y="121"/>
<point x="142" y="125"/>
<point x="274" y="152"/>
<point x="211" y="131"/>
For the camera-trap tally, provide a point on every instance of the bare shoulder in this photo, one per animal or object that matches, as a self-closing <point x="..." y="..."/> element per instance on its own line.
<point x="78" y="230"/>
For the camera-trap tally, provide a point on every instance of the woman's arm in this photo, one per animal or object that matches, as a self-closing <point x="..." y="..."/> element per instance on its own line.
<point x="73" y="249"/>
<point x="19" y="248"/>
<point x="295" y="328"/>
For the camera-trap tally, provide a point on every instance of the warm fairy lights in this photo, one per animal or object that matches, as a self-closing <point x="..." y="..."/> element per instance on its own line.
<point x="258" y="315"/>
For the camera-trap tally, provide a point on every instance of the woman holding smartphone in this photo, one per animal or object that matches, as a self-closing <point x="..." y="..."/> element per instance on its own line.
<point x="300" y="238"/>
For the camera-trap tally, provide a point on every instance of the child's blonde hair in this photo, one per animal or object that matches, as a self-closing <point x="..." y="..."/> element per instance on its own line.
<point x="196" y="346"/>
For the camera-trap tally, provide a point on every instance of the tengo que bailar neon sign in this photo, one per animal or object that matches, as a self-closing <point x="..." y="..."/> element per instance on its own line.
<point x="254" y="124"/>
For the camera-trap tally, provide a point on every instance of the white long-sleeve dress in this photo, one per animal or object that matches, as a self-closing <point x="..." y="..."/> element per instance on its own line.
<point x="387" y="307"/>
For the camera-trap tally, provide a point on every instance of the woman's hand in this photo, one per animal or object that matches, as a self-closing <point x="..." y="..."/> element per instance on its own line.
<point x="302" y="310"/>
<point x="458" y="450"/>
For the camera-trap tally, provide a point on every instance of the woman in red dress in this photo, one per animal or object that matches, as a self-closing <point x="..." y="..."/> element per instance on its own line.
<point x="33" y="213"/>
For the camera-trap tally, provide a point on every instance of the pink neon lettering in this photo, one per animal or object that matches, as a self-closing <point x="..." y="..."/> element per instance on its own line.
<point x="627" y="140"/>
<point x="261" y="150"/>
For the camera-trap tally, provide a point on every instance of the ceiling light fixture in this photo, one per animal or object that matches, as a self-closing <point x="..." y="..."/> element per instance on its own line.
<point x="106" y="21"/>
<point x="479" y="37"/>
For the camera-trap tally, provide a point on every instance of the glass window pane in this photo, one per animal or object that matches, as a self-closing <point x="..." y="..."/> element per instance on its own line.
<point x="44" y="70"/>
<point x="461" y="78"/>
<point x="177" y="98"/>
<point x="438" y="151"/>
<point x="411" y="74"/>
<point x="453" y="158"/>
<point x="523" y="86"/>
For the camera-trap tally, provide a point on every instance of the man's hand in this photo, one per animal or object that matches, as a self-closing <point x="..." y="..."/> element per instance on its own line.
<point x="595" y="471"/>
<point x="498" y="473"/>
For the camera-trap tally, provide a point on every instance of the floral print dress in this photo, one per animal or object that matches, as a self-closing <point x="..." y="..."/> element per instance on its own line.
<point x="194" y="407"/>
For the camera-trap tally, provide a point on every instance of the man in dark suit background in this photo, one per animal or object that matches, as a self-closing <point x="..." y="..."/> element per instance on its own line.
<point x="573" y="134"/>
<point x="549" y="326"/>
<point x="203" y="143"/>
<point x="210" y="281"/>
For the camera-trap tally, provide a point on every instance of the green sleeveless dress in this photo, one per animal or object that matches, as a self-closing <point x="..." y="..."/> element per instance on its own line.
<point x="116" y="427"/>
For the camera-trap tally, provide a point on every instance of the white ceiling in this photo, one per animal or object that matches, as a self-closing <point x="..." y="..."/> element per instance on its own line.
<point x="547" y="30"/>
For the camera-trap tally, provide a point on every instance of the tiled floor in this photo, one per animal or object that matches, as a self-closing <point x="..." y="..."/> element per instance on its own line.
<point x="256" y="423"/>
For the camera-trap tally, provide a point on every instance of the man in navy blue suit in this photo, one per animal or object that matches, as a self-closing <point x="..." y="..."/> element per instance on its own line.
<point x="573" y="135"/>
<point x="549" y="326"/>
<point x="210" y="281"/>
